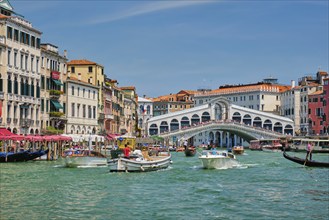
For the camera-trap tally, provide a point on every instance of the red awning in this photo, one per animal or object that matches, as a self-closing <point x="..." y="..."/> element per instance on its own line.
<point x="5" y="132"/>
<point x="111" y="136"/>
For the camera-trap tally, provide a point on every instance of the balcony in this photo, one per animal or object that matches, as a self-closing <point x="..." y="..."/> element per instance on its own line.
<point x="15" y="121"/>
<point x="37" y="122"/>
<point x="56" y="114"/>
<point x="25" y="123"/>
<point x="109" y="116"/>
<point x="55" y="93"/>
<point x="8" y="120"/>
<point x="101" y="117"/>
<point x="2" y="96"/>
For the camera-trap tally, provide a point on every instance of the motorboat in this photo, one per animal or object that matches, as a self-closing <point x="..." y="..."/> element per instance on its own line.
<point x="238" y="150"/>
<point x="140" y="162"/>
<point x="216" y="159"/>
<point x="84" y="158"/>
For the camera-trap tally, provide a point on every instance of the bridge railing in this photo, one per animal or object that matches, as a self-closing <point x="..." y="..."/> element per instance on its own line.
<point x="226" y="122"/>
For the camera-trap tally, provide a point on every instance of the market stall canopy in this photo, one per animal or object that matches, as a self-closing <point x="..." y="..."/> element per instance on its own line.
<point x="5" y="132"/>
<point x="85" y="137"/>
<point x="111" y="136"/>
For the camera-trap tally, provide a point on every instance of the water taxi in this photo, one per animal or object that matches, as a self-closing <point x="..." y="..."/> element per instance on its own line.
<point x="215" y="159"/>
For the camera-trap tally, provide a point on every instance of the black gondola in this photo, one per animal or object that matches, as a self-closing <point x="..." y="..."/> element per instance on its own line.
<point x="190" y="151"/>
<point x="309" y="163"/>
<point x="21" y="156"/>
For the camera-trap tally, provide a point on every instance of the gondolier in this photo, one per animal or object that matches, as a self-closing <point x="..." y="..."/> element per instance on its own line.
<point x="309" y="149"/>
<point x="185" y="144"/>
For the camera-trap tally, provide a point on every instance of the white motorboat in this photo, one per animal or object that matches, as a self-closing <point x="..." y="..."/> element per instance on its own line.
<point x="215" y="159"/>
<point x="140" y="163"/>
<point x="84" y="158"/>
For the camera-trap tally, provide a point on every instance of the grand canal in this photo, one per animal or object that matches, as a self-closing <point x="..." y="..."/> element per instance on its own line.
<point x="265" y="186"/>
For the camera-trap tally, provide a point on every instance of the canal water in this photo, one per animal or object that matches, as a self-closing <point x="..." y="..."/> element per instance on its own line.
<point x="264" y="186"/>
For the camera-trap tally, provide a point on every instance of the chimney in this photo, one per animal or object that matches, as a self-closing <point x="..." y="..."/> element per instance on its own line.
<point x="292" y="84"/>
<point x="65" y="53"/>
<point x="79" y="76"/>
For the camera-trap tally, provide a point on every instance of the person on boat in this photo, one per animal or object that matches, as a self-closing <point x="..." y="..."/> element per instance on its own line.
<point x="126" y="151"/>
<point x="213" y="150"/>
<point x="309" y="149"/>
<point x="138" y="153"/>
<point x="185" y="144"/>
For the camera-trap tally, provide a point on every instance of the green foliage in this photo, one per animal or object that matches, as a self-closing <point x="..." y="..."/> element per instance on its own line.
<point x="51" y="130"/>
<point x="55" y="92"/>
<point x="56" y="114"/>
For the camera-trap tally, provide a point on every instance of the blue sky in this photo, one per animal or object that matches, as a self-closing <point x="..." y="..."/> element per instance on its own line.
<point x="162" y="47"/>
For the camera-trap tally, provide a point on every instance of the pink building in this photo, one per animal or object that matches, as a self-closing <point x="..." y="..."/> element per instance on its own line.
<point x="326" y="105"/>
<point x="318" y="110"/>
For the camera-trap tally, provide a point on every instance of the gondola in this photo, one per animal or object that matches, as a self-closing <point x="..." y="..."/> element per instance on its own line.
<point x="190" y="151"/>
<point x="309" y="163"/>
<point x="21" y="156"/>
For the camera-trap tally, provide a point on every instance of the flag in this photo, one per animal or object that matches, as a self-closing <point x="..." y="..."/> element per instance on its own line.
<point x="143" y="110"/>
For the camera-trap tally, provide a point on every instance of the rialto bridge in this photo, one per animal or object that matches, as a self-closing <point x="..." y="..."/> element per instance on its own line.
<point x="219" y="122"/>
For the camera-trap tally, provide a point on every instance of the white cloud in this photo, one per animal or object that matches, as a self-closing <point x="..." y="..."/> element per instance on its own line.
<point x="146" y="9"/>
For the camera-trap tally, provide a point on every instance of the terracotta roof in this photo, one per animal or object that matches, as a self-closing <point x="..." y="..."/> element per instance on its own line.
<point x="317" y="92"/>
<point x="81" y="62"/>
<point x="128" y="88"/>
<point x="247" y="88"/>
<point x="3" y="16"/>
<point x="323" y="73"/>
<point x="76" y="79"/>
<point x="189" y="92"/>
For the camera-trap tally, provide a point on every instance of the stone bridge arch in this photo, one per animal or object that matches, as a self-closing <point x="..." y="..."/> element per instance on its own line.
<point x="221" y="108"/>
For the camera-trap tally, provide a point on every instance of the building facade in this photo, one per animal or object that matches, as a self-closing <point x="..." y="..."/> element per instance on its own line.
<point x="173" y="102"/>
<point x="92" y="73"/>
<point x="20" y="54"/>
<point x="53" y="89"/>
<point x="263" y="96"/>
<point x="129" y="125"/>
<point x="144" y="113"/>
<point x="82" y="107"/>
<point x="114" y="109"/>
<point x="308" y="85"/>
<point x="326" y="106"/>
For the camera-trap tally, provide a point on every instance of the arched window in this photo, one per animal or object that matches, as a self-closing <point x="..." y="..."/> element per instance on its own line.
<point x="205" y="117"/>
<point x="195" y="119"/>
<point x="153" y="129"/>
<point x="174" y="125"/>
<point x="185" y="122"/>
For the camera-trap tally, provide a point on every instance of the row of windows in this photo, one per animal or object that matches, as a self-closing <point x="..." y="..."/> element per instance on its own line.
<point x="315" y="99"/>
<point x="90" y="69"/>
<point x="21" y="111"/>
<point x="76" y="112"/>
<point x="22" y="60"/>
<point x="50" y="107"/>
<point x="51" y="64"/>
<point x="23" y="37"/>
<point x="83" y="93"/>
<point x="30" y="62"/>
<point x="25" y="88"/>
<point x="48" y="84"/>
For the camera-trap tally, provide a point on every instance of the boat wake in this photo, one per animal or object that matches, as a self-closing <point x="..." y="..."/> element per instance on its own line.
<point x="91" y="166"/>
<point x="58" y="166"/>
